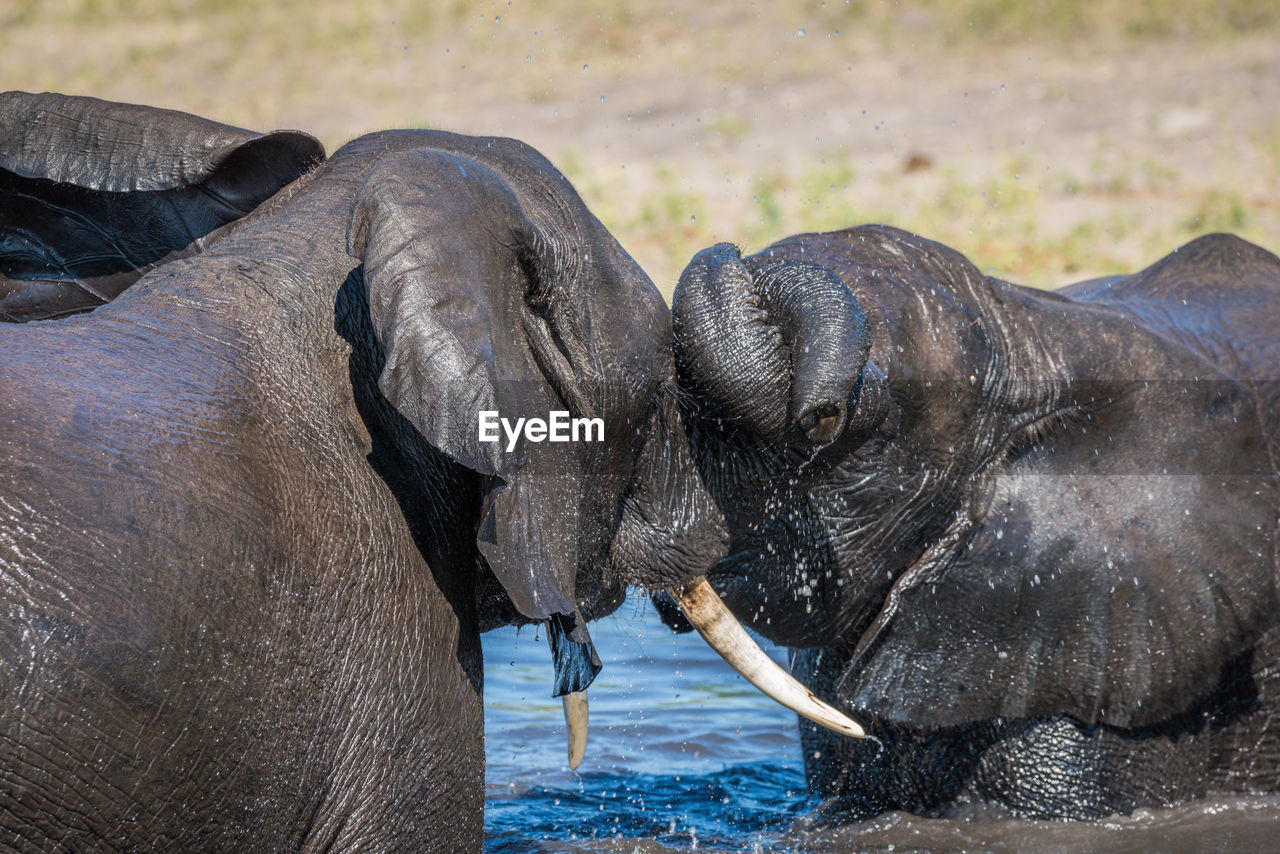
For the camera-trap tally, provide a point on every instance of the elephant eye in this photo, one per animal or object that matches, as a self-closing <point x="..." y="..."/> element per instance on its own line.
<point x="546" y="302"/>
<point x="539" y="293"/>
<point x="1030" y="435"/>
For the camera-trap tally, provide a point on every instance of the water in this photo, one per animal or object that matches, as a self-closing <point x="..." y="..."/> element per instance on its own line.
<point x="683" y="755"/>
<point x="681" y="751"/>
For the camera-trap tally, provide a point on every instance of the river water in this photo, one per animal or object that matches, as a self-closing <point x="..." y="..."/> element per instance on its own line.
<point x="683" y="755"/>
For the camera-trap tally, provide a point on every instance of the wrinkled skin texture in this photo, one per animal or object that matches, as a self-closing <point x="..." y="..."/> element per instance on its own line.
<point x="1039" y="562"/>
<point x="249" y="539"/>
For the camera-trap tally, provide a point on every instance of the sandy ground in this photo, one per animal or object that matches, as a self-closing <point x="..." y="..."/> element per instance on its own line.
<point x="1045" y="160"/>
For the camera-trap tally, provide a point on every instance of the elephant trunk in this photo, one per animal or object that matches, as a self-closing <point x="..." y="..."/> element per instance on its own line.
<point x="776" y="345"/>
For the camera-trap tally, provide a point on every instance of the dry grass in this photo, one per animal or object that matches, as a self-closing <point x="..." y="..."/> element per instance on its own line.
<point x="1048" y="139"/>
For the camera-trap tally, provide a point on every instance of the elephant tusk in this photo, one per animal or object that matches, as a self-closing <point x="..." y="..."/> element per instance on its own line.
<point x="707" y="613"/>
<point x="575" y="718"/>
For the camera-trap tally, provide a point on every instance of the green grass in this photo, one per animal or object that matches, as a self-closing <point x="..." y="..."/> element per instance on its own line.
<point x="1218" y="210"/>
<point x="961" y="21"/>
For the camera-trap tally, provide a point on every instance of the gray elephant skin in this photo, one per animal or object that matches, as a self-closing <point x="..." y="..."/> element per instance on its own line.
<point x="1027" y="538"/>
<point x="248" y="535"/>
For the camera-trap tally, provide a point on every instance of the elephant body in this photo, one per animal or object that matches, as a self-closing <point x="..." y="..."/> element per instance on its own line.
<point x="212" y="598"/>
<point x="248" y="540"/>
<point x="1040" y="558"/>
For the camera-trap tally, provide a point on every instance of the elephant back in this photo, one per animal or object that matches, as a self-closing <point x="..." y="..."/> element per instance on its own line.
<point x="1219" y="297"/>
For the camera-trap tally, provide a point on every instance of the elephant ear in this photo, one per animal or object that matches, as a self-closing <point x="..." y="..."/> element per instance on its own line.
<point x="93" y="194"/>
<point x="1119" y="568"/>
<point x="456" y="277"/>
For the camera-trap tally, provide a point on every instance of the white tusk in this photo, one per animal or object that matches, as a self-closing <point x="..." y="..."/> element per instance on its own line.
<point x="721" y="630"/>
<point x="575" y="718"/>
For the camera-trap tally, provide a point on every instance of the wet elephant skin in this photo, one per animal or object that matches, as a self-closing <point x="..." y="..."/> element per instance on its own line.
<point x="1039" y="558"/>
<point x="93" y="194"/>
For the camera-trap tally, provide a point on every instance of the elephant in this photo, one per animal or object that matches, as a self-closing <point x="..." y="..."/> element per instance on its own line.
<point x="1027" y="539"/>
<point x="250" y="528"/>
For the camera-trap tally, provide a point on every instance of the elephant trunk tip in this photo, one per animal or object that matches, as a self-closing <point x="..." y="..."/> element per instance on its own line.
<point x="777" y="344"/>
<point x="821" y="422"/>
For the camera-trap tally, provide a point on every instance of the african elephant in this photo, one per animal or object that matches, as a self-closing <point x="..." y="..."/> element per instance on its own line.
<point x="1027" y="538"/>
<point x="250" y="529"/>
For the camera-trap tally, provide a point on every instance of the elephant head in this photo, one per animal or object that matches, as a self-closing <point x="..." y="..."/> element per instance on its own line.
<point x="93" y="194"/>
<point x="985" y="502"/>
<point x="559" y="318"/>
<point x="492" y="289"/>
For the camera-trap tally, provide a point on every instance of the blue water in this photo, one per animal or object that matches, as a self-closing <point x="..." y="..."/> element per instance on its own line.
<point x="681" y="751"/>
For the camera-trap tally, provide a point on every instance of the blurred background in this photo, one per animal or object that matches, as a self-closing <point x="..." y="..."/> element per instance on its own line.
<point x="1050" y="140"/>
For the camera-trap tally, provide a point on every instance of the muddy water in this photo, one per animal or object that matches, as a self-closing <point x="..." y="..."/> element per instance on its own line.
<point x="682" y="755"/>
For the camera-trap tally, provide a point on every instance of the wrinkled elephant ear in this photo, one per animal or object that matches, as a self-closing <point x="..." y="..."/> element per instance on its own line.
<point x="452" y="266"/>
<point x="93" y="194"/>
<point x="1119" y="588"/>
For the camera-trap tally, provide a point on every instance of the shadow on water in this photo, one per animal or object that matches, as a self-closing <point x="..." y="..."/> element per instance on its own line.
<point x="684" y="755"/>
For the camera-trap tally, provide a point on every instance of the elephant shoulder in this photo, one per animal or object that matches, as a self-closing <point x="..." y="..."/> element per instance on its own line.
<point x="1115" y="566"/>
<point x="1114" y="600"/>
